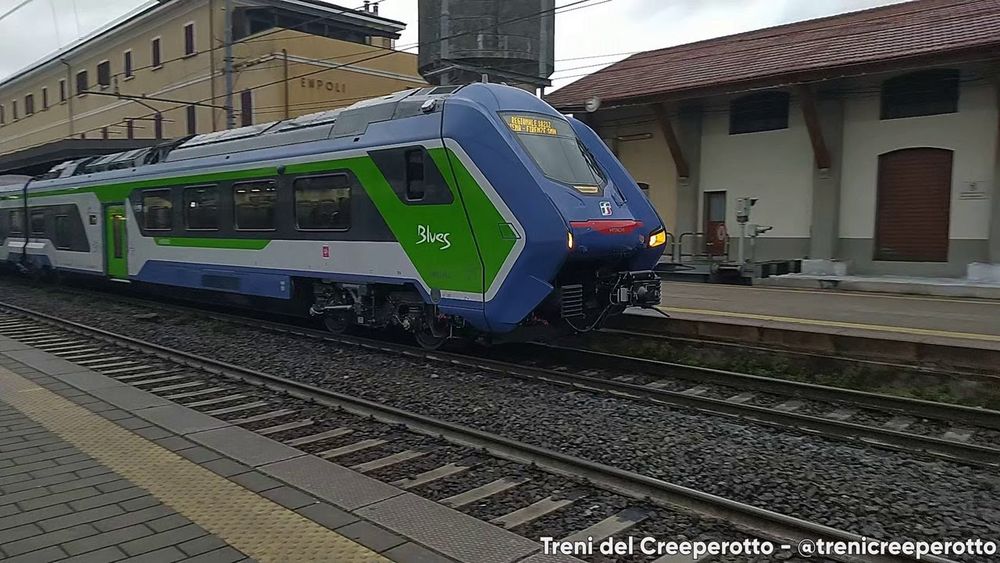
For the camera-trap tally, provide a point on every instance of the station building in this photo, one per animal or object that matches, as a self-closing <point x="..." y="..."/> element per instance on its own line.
<point x="159" y="74"/>
<point x="869" y="138"/>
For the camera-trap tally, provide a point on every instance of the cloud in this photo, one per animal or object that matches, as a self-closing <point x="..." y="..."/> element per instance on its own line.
<point x="639" y="25"/>
<point x="42" y="27"/>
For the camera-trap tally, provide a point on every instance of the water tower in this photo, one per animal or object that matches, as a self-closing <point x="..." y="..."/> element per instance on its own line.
<point x="507" y="40"/>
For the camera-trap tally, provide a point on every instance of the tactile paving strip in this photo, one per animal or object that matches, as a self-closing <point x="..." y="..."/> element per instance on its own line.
<point x="258" y="527"/>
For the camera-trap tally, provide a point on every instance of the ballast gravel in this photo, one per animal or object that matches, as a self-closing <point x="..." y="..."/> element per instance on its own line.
<point x="864" y="490"/>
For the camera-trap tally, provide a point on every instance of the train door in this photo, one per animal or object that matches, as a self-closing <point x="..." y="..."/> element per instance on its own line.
<point x="115" y="242"/>
<point x="715" y="223"/>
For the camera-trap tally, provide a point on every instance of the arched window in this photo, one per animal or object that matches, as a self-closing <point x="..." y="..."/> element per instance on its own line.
<point x="765" y="111"/>
<point x="927" y="92"/>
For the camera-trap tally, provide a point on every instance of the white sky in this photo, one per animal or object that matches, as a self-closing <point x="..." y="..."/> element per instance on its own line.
<point x="32" y="29"/>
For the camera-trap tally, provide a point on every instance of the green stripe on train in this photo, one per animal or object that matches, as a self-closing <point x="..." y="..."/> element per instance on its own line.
<point x="455" y="268"/>
<point x="227" y="243"/>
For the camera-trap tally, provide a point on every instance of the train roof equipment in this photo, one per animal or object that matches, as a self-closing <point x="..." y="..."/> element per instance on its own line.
<point x="342" y="122"/>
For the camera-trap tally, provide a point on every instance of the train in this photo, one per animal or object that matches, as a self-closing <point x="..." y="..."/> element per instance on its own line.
<point x="446" y="211"/>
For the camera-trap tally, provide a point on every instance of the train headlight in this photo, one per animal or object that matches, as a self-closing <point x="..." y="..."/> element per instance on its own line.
<point x="569" y="240"/>
<point x="657" y="238"/>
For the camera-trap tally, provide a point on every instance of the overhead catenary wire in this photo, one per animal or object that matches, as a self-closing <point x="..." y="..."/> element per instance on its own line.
<point x="258" y="37"/>
<point x="115" y="76"/>
<point x="557" y="9"/>
<point x="682" y="49"/>
<point x="90" y="88"/>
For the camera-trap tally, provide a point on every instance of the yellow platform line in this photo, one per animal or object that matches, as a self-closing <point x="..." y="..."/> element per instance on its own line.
<point x="259" y="527"/>
<point x="837" y="324"/>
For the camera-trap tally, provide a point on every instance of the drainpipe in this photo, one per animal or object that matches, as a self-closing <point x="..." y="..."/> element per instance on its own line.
<point x="230" y="115"/>
<point x="211" y="63"/>
<point x="69" y="93"/>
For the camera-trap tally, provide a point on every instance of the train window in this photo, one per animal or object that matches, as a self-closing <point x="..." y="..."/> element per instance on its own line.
<point x="255" y="204"/>
<point x="157" y="211"/>
<point x="62" y="238"/>
<point x="323" y="202"/>
<point x="118" y="235"/>
<point x="555" y="148"/>
<point x="38" y="223"/>
<point x="415" y="174"/>
<point x="201" y="208"/>
<point x="17" y="222"/>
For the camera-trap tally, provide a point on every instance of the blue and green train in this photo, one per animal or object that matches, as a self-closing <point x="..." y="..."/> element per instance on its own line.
<point x="442" y="210"/>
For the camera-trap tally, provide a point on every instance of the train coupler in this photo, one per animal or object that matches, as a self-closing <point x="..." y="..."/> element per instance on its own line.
<point x="636" y="289"/>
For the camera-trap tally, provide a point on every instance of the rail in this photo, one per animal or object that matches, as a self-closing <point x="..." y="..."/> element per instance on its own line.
<point x="754" y="519"/>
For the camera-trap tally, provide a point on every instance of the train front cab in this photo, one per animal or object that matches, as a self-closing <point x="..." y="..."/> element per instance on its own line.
<point x="594" y="237"/>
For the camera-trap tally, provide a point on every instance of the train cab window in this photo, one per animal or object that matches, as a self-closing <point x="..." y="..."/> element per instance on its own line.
<point x="157" y="211"/>
<point x="17" y="222"/>
<point x="38" y="223"/>
<point x="255" y="204"/>
<point x="415" y="175"/>
<point x="555" y="148"/>
<point x="201" y="208"/>
<point x="63" y="238"/>
<point x="323" y="202"/>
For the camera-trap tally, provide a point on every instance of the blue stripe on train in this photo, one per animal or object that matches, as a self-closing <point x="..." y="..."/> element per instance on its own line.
<point x="277" y="283"/>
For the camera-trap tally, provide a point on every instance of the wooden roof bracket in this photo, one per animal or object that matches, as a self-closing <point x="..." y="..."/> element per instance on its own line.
<point x="667" y="129"/>
<point x="807" y="99"/>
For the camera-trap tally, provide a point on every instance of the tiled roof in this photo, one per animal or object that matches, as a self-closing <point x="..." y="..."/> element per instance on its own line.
<point x="911" y="31"/>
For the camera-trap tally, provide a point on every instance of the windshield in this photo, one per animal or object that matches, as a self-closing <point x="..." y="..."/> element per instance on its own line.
<point x="554" y="146"/>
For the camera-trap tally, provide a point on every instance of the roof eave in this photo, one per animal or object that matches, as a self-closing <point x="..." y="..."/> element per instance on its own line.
<point x="368" y="18"/>
<point x="981" y="52"/>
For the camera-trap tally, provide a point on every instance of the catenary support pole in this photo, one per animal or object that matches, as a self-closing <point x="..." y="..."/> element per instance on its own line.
<point x="230" y="115"/>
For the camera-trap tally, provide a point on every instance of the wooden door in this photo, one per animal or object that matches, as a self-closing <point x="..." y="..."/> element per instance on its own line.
<point x="913" y="208"/>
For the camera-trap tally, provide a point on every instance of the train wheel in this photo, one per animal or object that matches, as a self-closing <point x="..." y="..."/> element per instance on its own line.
<point x="427" y="340"/>
<point x="336" y="323"/>
<point x="433" y="332"/>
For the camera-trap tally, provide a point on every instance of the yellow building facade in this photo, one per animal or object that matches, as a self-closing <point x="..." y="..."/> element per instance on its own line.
<point x="160" y="74"/>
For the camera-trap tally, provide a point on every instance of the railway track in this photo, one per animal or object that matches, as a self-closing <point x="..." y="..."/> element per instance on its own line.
<point x="939" y="430"/>
<point x="260" y="402"/>
<point x="963" y="433"/>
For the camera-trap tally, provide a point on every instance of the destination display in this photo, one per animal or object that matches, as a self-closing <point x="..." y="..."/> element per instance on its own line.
<point x="530" y="125"/>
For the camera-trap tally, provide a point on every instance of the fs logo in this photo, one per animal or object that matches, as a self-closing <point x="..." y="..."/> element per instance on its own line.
<point x="605" y="208"/>
<point x="426" y="235"/>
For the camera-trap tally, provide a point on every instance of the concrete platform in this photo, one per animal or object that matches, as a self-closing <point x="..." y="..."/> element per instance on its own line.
<point x="944" y="331"/>
<point x="935" y="287"/>
<point x="92" y="469"/>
